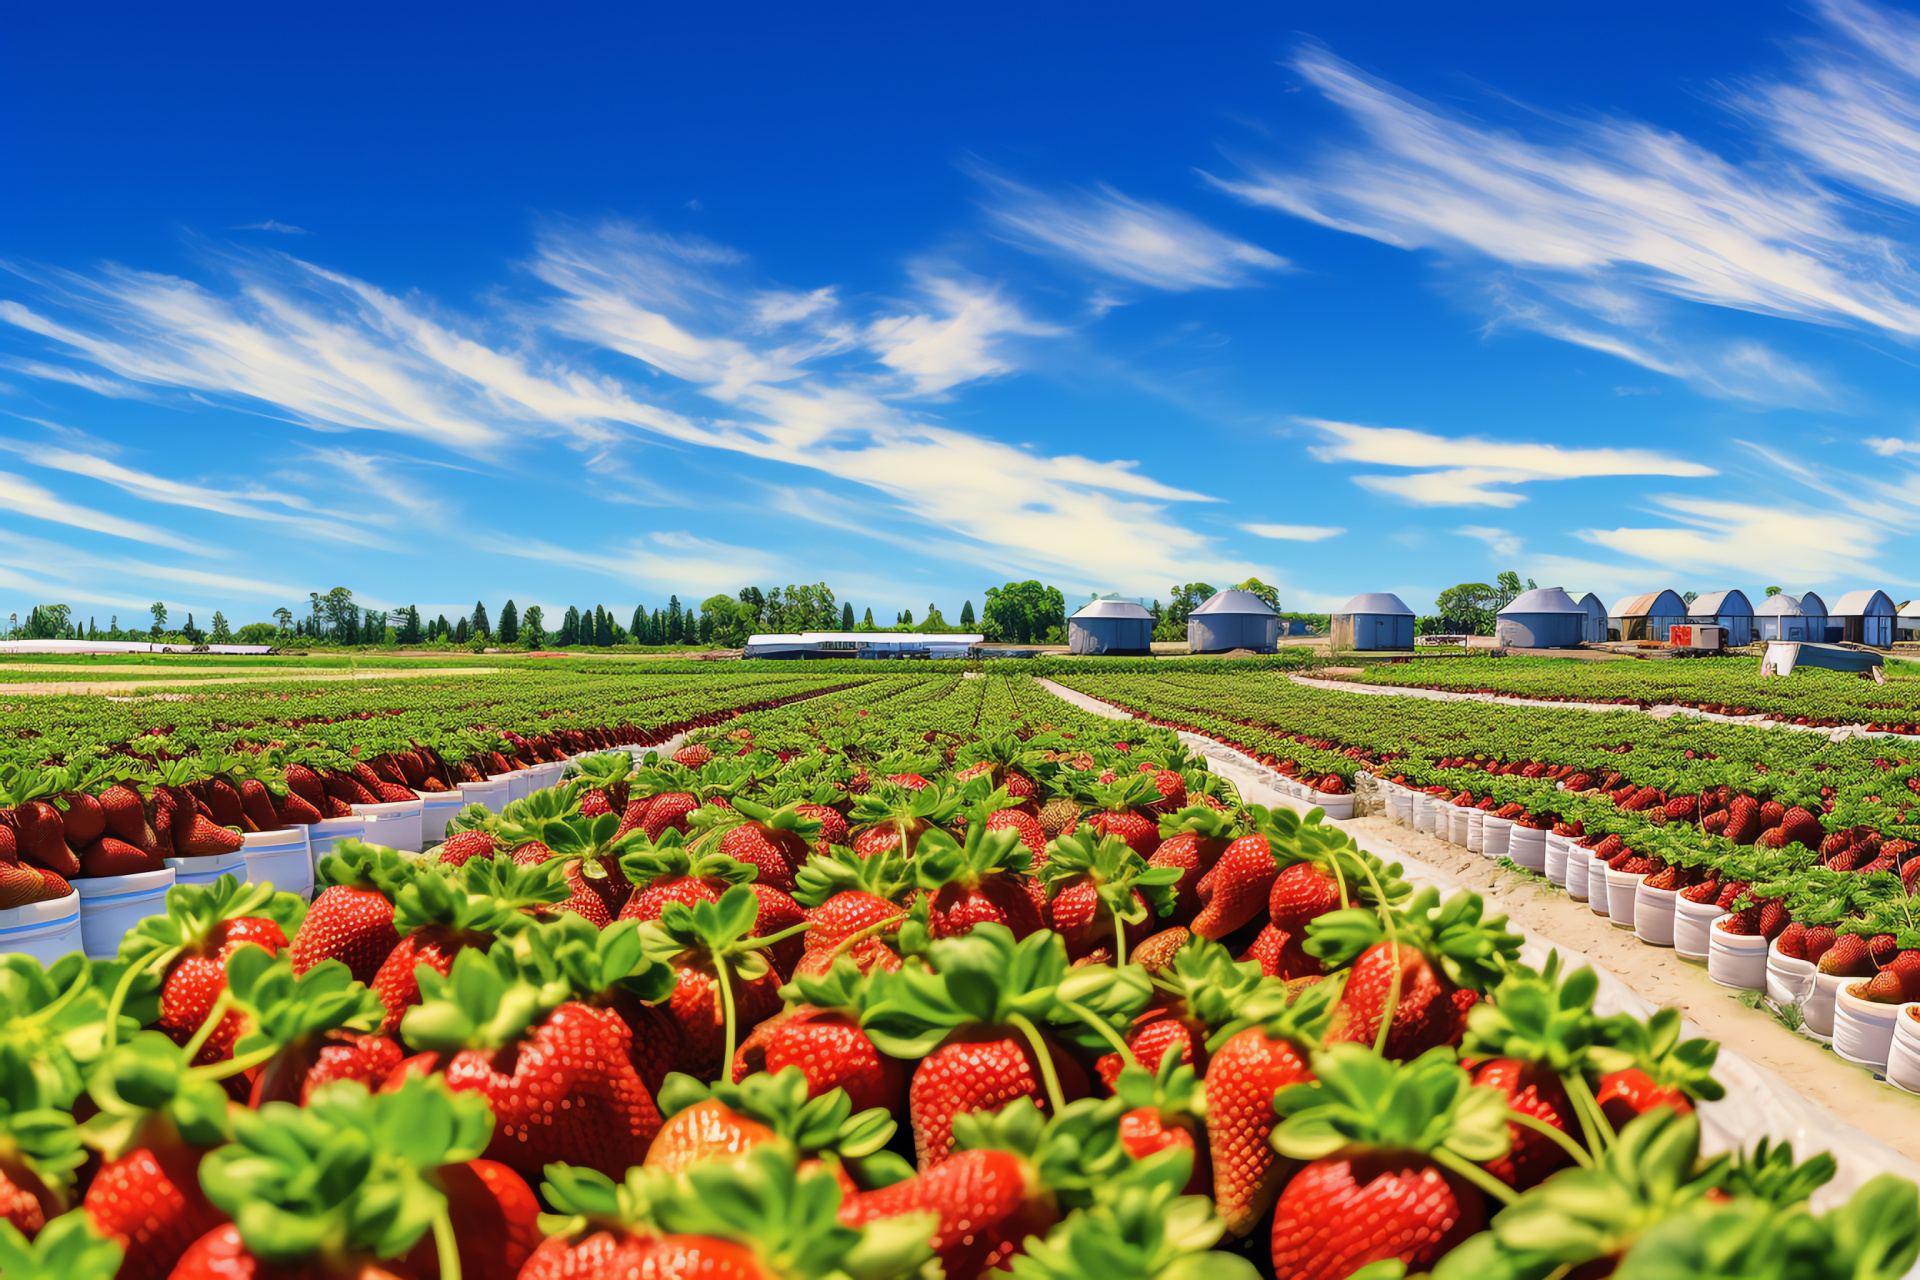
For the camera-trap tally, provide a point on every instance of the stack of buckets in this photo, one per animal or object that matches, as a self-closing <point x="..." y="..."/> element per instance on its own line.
<point x="98" y="912"/>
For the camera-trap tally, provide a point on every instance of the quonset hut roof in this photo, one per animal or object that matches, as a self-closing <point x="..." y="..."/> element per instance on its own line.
<point x="1543" y="600"/>
<point x="1779" y="605"/>
<point x="1234" y="600"/>
<point x="1861" y="602"/>
<point x="1731" y="603"/>
<point x="1813" y="606"/>
<point x="1654" y="604"/>
<point x="1384" y="602"/>
<point x="1112" y="609"/>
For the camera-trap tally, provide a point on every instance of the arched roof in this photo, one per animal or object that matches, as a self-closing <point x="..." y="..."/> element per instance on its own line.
<point x="1234" y="600"/>
<point x="1543" y="600"/>
<point x="1654" y="604"/>
<point x="1861" y="602"/>
<point x="1715" y="604"/>
<point x="1813" y="606"/>
<point x="1377" y="602"/>
<point x="1594" y="605"/>
<point x="1113" y="609"/>
<point x="1779" y="605"/>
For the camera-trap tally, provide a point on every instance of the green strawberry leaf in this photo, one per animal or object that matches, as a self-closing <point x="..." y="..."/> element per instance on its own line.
<point x="148" y="1075"/>
<point x="67" y="1248"/>
<point x="282" y="1009"/>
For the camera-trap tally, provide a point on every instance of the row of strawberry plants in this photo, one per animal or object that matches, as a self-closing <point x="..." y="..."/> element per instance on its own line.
<point x="1724" y="686"/>
<point x="729" y="1016"/>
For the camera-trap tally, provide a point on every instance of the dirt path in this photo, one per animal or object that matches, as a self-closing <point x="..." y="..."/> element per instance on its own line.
<point x="278" y="675"/>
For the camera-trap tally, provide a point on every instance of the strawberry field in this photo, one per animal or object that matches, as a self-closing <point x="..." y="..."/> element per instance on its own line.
<point x="916" y="972"/>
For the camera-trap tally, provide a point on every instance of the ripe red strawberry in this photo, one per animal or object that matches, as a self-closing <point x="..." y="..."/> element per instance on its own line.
<point x="459" y="846"/>
<point x="1792" y="941"/>
<point x="352" y="920"/>
<point x="39" y="826"/>
<point x="109" y="856"/>
<point x="1246" y="1071"/>
<point x="693" y="755"/>
<point x="822" y="1038"/>
<point x="124" y="813"/>
<point x="707" y="944"/>
<point x="1383" y="1195"/>
<point x="1097" y="887"/>
<point x="1410" y="986"/>
<point x="195" y="835"/>
<point x="305" y="783"/>
<point x="1125" y="810"/>
<point x="833" y="825"/>
<point x="366" y="1059"/>
<point x="1191" y="842"/>
<point x="893" y="817"/>
<point x="981" y="882"/>
<point x="775" y="842"/>
<point x="1681" y="808"/>
<point x="1236" y="890"/>
<point x="1847" y="957"/>
<point x="1667" y="1071"/>
<point x="856" y="907"/>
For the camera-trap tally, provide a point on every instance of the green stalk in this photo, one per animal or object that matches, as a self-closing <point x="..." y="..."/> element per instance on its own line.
<point x="234" y="1066"/>
<point x="125" y="987"/>
<point x="1393" y="944"/>
<point x="1587" y="1130"/>
<point x="444" y="1244"/>
<point x="1045" y="1056"/>
<point x="1475" y="1174"/>
<point x="1583" y="1097"/>
<point x="1101" y="1026"/>
<point x="1558" y="1134"/>
<point x="208" y="1023"/>
<point x="725" y="979"/>
<point x="1119" y="941"/>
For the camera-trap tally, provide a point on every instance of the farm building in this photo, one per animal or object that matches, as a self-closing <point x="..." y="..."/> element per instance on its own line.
<point x="1110" y="626"/>
<point x="1596" y="617"/>
<point x="1233" y="619"/>
<point x="1647" y="617"/>
<point x="1906" y="622"/>
<point x="1544" y="618"/>
<point x="1780" y="617"/>
<point x="1374" y="620"/>
<point x="1814" y="610"/>
<point x="807" y="645"/>
<point x="1728" y="609"/>
<point x="1862" y="617"/>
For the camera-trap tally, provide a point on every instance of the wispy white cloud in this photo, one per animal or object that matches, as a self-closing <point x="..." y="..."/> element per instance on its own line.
<point x="1295" y="532"/>
<point x="284" y="228"/>
<point x="1502" y="542"/>
<point x="1473" y="470"/>
<point x="958" y="339"/>
<point x="21" y="496"/>
<point x="1149" y="244"/>
<point x="1718" y="536"/>
<point x="668" y="556"/>
<point x="75" y="576"/>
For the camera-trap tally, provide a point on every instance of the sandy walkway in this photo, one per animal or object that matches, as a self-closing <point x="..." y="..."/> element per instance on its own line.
<point x="271" y="676"/>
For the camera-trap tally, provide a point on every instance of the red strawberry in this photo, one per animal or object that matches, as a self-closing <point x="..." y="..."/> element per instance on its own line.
<point x="693" y="755"/>
<point x="893" y="817"/>
<point x="108" y="856"/>
<point x="367" y="1059"/>
<point x="306" y="784"/>
<point x="124" y="814"/>
<point x="41" y="830"/>
<point x="710" y="943"/>
<point x="824" y="1040"/>
<point x="195" y="835"/>
<point x="1668" y="1072"/>
<point x="82" y="818"/>
<point x="775" y="842"/>
<point x="1847" y="957"/>
<point x="855" y="906"/>
<point x="1096" y="887"/>
<point x="1191" y="842"/>
<point x="1124" y="811"/>
<point x="352" y="920"/>
<point x="1245" y="1073"/>
<point x="981" y="882"/>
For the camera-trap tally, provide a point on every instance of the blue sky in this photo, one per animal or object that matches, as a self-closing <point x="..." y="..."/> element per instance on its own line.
<point x="601" y="304"/>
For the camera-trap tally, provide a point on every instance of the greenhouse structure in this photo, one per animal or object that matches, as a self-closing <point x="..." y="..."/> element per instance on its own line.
<point x="1729" y="610"/>
<point x="1862" y="617"/>
<point x="1596" y="617"/>
<point x="1780" y="617"/>
<point x="1646" y="617"/>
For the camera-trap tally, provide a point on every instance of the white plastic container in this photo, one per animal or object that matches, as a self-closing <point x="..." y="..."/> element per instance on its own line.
<point x="1653" y="914"/>
<point x="1691" y="922"/>
<point x="1335" y="807"/>
<point x="1736" y="959"/>
<point x="1903" y="1056"/>
<point x="111" y="905"/>
<point x="494" y="793"/>
<point x="44" y="930"/>
<point x="285" y="859"/>
<point x="1577" y="864"/>
<point x="397" y="824"/>
<point x="1527" y="846"/>
<point x="322" y="836"/>
<point x="1423" y="811"/>
<point x="1495" y="836"/>
<point x="1476" y="830"/>
<point x="437" y="809"/>
<point x="1816" y="1015"/>
<point x="1863" y="1030"/>
<point x="1623" y="889"/>
<point x="1789" y="981"/>
<point x="1596" y="885"/>
<point x="204" y="871"/>
<point x="1557" y="847"/>
<point x="519" y="783"/>
<point x="1457" y="821"/>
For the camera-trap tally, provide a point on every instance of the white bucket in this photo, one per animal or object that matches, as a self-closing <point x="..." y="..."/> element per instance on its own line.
<point x="1597" y="885"/>
<point x="322" y="836"/>
<point x="111" y="905"/>
<point x="1789" y="981"/>
<point x="1623" y="889"/>
<point x="1577" y="864"/>
<point x="395" y="824"/>
<point x="1817" y="1013"/>
<point x="1495" y="836"/>
<point x="494" y="793"/>
<point x="286" y="859"/>
<point x="1423" y="811"/>
<point x="1653" y="914"/>
<point x="1691" y="924"/>
<point x="1527" y="846"/>
<point x="1736" y="959"/>
<point x="1557" y="847"/>
<point x="1477" y="830"/>
<point x="1863" y="1030"/>
<point x="1458" y="819"/>
<point x="519" y="784"/>
<point x="1335" y="807"/>
<point x="1903" y="1055"/>
<point x="437" y="809"/>
<point x="44" y="930"/>
<point x="204" y="871"/>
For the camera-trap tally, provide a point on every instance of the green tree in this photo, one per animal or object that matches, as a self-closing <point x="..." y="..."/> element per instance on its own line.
<point x="934" y="622"/>
<point x="1773" y="591"/>
<point x="462" y="631"/>
<point x="904" y="620"/>
<point x="602" y="628"/>
<point x="966" y="615"/>
<point x="1173" y="620"/>
<point x="509" y="623"/>
<point x="866" y="623"/>
<point x="159" y="612"/>
<point x="533" y="627"/>
<point x="723" y="621"/>
<point x="1508" y="589"/>
<point x="1468" y="608"/>
<point x="259" y="633"/>
<point x="675" y="623"/>
<point x="846" y="616"/>
<point x="481" y="627"/>
<point x="1269" y="594"/>
<point x="444" y="629"/>
<point x="282" y="616"/>
<point x="48" y="621"/>
<point x="1023" y="612"/>
<point x="409" y="631"/>
<point x="220" y="634"/>
<point x="569" y="628"/>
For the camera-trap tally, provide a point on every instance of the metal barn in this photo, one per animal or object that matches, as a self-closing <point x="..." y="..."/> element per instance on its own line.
<point x="1906" y="623"/>
<point x="1233" y="619"/>
<point x="1728" y="609"/>
<point x="1110" y="626"/>
<point x="1646" y="617"/>
<point x="1781" y="617"/>
<point x="1863" y="617"/>
<point x="1819" y="625"/>
<point x="1374" y="620"/>
<point x="1544" y="618"/>
<point x="1596" y="617"/>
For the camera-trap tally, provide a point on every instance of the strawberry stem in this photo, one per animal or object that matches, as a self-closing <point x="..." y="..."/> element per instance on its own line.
<point x="1393" y="946"/>
<point x="1045" y="1057"/>
<point x="1119" y="941"/>
<point x="1100" y="1027"/>
<point x="725" y="979"/>
<point x="1558" y="1134"/>
<point x="233" y="1066"/>
<point x="208" y="1023"/>
<point x="125" y="986"/>
<point x="1594" y="1120"/>
<point x="1475" y="1174"/>
<point x="444" y="1244"/>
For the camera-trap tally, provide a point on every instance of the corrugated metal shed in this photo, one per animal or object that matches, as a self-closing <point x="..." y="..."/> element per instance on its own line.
<point x="1781" y="617"/>
<point x="1373" y="620"/>
<point x="1110" y="626"/>
<point x="1233" y="619"/>
<point x="1544" y="618"/>
<point x="1863" y="617"/>
<point x="1730" y="609"/>
<point x="1596" y="617"/>
<point x="1646" y="617"/>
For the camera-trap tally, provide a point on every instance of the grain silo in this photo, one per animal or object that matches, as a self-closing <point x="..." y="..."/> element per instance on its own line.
<point x="1544" y="618"/>
<point x="1111" y="627"/>
<point x="1373" y="620"/>
<point x="1233" y="619"/>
